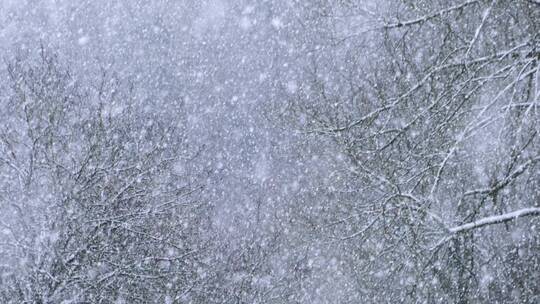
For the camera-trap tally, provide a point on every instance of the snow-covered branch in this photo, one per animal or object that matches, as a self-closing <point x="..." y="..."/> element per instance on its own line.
<point x="431" y="16"/>
<point x="497" y="219"/>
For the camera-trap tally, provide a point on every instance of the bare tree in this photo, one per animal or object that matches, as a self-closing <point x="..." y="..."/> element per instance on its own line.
<point x="438" y="125"/>
<point x="97" y="175"/>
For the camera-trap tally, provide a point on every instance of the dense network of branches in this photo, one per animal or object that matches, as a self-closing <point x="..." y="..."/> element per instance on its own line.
<point x="404" y="139"/>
